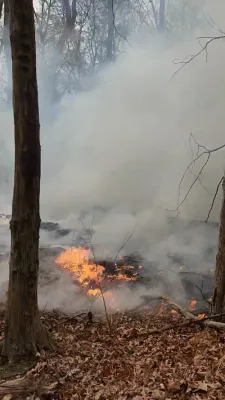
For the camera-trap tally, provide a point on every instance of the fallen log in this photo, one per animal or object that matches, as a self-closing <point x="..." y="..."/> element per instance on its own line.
<point x="186" y="314"/>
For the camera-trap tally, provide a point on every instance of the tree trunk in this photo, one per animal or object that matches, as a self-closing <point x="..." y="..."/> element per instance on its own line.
<point x="7" y="50"/>
<point x="24" y="333"/>
<point x="1" y="7"/>
<point x="70" y="12"/>
<point x="162" y="6"/>
<point x="219" y="292"/>
<point x="110" y="32"/>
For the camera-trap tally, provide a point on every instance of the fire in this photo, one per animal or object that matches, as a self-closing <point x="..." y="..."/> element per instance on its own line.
<point x="201" y="316"/>
<point x="89" y="274"/>
<point x="94" y="292"/>
<point x="123" y="277"/>
<point x="76" y="260"/>
<point x="192" y="305"/>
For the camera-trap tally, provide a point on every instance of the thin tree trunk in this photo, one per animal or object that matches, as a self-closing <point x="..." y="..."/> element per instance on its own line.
<point x="161" y="25"/>
<point x="219" y="292"/>
<point x="110" y="32"/>
<point x="1" y="7"/>
<point x="24" y="333"/>
<point x="70" y="20"/>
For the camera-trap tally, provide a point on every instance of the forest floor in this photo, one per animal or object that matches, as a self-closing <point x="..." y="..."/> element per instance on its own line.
<point x="139" y="357"/>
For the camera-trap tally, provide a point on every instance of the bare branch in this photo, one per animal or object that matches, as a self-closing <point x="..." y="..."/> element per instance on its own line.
<point x="204" y="48"/>
<point x="214" y="198"/>
<point x="206" y="152"/>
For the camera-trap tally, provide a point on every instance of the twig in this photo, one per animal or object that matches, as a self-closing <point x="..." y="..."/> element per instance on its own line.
<point x="70" y="318"/>
<point x="207" y="152"/>
<point x="204" y="48"/>
<point x="115" y="28"/>
<point x="99" y="283"/>
<point x="214" y="198"/>
<point x="126" y="240"/>
<point x="203" y="296"/>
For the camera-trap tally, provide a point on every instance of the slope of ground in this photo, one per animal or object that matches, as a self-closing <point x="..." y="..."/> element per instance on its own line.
<point x="134" y="358"/>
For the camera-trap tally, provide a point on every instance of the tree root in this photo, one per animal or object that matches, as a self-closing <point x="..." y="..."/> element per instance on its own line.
<point x="16" y="349"/>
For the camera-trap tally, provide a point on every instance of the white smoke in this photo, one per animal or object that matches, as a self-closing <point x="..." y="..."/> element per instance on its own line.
<point x="113" y="157"/>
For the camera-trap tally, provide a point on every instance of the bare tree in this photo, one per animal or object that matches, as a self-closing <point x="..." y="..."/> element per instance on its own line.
<point x="24" y="332"/>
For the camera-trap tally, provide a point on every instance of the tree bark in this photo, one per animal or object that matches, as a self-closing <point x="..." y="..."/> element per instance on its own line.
<point x="24" y="333"/>
<point x="7" y="50"/>
<point x="219" y="292"/>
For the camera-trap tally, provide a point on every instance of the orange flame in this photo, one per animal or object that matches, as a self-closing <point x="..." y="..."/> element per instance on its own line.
<point x="76" y="260"/>
<point x="192" y="305"/>
<point x="201" y="316"/>
<point x="89" y="275"/>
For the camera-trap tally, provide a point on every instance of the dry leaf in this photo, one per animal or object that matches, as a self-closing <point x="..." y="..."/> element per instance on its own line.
<point x="7" y="397"/>
<point x="173" y="386"/>
<point x="99" y="394"/>
<point x="202" y="386"/>
<point x="158" y="394"/>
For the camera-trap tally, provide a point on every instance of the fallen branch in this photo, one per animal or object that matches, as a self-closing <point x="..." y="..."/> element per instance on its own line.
<point x="203" y="321"/>
<point x="28" y="385"/>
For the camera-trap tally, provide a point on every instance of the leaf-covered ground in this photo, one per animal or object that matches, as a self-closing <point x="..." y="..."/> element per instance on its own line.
<point x="128" y="360"/>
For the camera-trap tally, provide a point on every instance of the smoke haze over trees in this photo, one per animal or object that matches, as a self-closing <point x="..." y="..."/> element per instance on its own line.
<point x="115" y="128"/>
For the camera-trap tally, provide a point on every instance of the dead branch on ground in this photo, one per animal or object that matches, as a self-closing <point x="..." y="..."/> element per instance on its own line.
<point x="28" y="385"/>
<point x="203" y="321"/>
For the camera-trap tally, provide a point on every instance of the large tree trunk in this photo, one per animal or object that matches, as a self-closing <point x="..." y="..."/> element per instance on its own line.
<point x="24" y="333"/>
<point x="219" y="292"/>
<point x="7" y="50"/>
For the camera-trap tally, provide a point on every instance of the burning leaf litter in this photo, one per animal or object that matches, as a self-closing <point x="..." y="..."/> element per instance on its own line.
<point x="89" y="274"/>
<point x="126" y="361"/>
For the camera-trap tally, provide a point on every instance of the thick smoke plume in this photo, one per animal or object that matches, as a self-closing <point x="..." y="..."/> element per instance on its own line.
<point x="113" y="156"/>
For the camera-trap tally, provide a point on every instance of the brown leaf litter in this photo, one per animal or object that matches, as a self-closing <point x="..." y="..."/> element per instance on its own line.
<point x="125" y="361"/>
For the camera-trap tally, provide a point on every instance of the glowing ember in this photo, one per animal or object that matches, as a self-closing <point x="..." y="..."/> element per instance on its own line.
<point x="123" y="277"/>
<point x="201" y="316"/>
<point x="192" y="305"/>
<point x="94" y="292"/>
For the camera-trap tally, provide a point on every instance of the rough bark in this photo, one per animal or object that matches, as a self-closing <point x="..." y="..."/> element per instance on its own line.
<point x="7" y="51"/>
<point x="24" y="333"/>
<point x="219" y="292"/>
